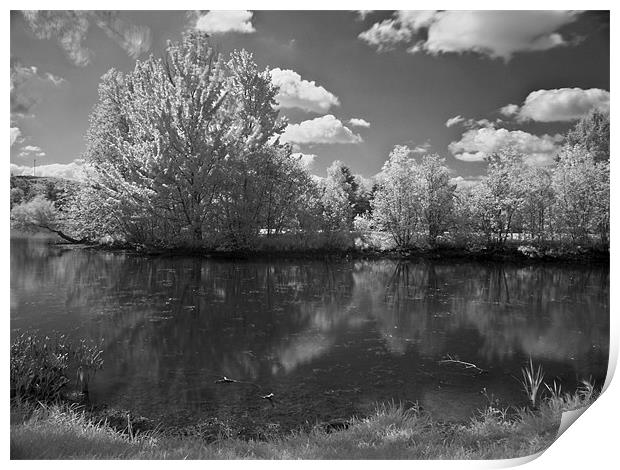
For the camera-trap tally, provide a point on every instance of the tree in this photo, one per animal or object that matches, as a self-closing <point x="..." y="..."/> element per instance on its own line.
<point x="40" y="214"/>
<point x="339" y="197"/>
<point x="397" y="204"/>
<point x="176" y="145"/>
<point x="592" y="133"/>
<point x="539" y="197"/>
<point x="414" y="197"/>
<point x="581" y="187"/>
<point x="289" y="197"/>
<point x="437" y="196"/>
<point x="336" y="209"/>
<point x="500" y="196"/>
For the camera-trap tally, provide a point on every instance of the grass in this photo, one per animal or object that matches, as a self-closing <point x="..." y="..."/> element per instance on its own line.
<point x="45" y="426"/>
<point x="43" y="367"/>
<point x="532" y="380"/>
<point x="392" y="432"/>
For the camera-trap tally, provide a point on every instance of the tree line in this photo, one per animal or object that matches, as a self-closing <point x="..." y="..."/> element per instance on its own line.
<point x="184" y="151"/>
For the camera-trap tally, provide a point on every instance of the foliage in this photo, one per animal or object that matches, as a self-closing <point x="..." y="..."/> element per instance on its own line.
<point x="437" y="197"/>
<point x="500" y="195"/>
<point x="185" y="153"/>
<point x="413" y="198"/>
<point x="41" y="367"/>
<point x="536" y="212"/>
<point x="40" y="214"/>
<point x="335" y="202"/>
<point x="184" y="149"/>
<point x="34" y="215"/>
<point x="581" y="188"/>
<point x="592" y="133"/>
<point x="26" y="188"/>
<point x="396" y="206"/>
<point x="17" y="196"/>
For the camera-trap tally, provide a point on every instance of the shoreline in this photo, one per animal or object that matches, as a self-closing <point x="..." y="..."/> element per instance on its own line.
<point x="509" y="253"/>
<point x="391" y="432"/>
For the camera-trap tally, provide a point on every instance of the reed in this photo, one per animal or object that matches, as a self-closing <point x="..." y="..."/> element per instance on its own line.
<point x="43" y="366"/>
<point x="532" y="380"/>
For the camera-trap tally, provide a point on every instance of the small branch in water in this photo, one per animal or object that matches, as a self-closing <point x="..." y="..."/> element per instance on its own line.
<point x="271" y="398"/>
<point x="468" y="365"/>
<point x="226" y="380"/>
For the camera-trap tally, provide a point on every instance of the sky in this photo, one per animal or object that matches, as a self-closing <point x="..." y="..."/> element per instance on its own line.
<point x="353" y="84"/>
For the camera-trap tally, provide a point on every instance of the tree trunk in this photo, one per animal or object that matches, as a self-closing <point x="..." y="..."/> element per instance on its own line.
<point x="64" y="236"/>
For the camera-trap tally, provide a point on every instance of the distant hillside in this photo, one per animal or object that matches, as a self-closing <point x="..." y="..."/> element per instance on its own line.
<point x="25" y="188"/>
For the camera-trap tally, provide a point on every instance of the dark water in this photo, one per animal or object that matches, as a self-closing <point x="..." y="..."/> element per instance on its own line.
<point x="329" y="339"/>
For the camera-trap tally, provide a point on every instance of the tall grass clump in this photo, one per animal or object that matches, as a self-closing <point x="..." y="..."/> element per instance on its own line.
<point x="42" y="366"/>
<point x="532" y="380"/>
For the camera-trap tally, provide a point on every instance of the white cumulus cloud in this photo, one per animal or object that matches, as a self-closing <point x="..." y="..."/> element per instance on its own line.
<point x="562" y="104"/>
<point x="321" y="130"/>
<point x="358" y="122"/>
<point x="76" y="170"/>
<point x="509" y="110"/>
<point x="386" y="35"/>
<point x="476" y="144"/>
<point x="298" y="93"/>
<point x="497" y="34"/>
<point x="226" y="21"/>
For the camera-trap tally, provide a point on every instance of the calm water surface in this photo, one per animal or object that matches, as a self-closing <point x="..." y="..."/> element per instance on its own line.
<point x="329" y="339"/>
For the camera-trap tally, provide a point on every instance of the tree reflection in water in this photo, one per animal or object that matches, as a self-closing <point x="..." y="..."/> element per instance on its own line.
<point x="328" y="338"/>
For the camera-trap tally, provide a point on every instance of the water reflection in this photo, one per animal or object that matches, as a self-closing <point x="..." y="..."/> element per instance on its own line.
<point x="329" y="339"/>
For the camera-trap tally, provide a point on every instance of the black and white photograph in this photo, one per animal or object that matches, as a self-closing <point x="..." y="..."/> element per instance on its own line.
<point x="274" y="234"/>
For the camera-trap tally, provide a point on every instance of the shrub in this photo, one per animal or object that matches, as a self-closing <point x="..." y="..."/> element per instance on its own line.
<point x="42" y="367"/>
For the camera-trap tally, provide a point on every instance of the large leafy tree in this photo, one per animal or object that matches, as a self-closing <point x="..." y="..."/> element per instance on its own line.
<point x="179" y="143"/>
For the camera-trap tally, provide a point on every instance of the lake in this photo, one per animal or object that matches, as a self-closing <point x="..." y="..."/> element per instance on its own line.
<point x="329" y="339"/>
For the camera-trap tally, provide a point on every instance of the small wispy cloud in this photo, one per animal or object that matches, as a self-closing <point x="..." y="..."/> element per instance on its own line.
<point x="358" y="122"/>
<point x="28" y="86"/>
<point x="70" y="27"/>
<point x="31" y="151"/>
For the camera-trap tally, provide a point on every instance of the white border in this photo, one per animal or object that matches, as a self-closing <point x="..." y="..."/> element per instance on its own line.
<point x="589" y="443"/>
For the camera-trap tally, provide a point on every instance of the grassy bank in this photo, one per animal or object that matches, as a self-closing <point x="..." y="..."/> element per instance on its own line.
<point x="67" y="428"/>
<point x="392" y="432"/>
